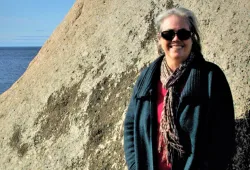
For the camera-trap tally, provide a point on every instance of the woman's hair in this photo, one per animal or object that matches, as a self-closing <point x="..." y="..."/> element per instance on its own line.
<point x="191" y="20"/>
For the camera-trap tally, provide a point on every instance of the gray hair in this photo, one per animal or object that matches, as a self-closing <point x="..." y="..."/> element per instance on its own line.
<point x="191" y="20"/>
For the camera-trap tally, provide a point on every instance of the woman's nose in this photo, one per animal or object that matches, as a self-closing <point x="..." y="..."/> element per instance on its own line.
<point x="175" y="38"/>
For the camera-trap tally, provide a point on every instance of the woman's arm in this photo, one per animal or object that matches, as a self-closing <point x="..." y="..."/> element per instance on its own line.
<point x="222" y="125"/>
<point x="129" y="135"/>
<point x="211" y="125"/>
<point x="129" y="123"/>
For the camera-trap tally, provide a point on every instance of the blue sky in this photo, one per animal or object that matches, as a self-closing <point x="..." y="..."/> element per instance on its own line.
<point x="29" y="22"/>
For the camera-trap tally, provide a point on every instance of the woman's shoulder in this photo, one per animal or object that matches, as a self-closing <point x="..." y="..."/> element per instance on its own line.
<point x="152" y="67"/>
<point x="215" y="72"/>
<point x="147" y="74"/>
<point x="154" y="63"/>
<point x="202" y="64"/>
<point x="212" y="67"/>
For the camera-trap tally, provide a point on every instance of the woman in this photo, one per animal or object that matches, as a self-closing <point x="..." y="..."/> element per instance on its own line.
<point x="181" y="113"/>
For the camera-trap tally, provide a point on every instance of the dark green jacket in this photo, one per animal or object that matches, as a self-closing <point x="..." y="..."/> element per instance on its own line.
<point x="205" y="120"/>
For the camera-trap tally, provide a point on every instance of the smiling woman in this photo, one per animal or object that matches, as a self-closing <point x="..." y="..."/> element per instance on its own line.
<point x="181" y="113"/>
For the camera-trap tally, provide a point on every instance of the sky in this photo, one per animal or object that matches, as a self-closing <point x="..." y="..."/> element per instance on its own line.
<point x="29" y="22"/>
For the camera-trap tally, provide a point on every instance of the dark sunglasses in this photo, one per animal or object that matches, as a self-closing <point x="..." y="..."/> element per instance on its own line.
<point x="182" y="34"/>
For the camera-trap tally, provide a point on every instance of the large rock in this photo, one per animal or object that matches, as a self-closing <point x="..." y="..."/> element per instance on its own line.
<point x="67" y="110"/>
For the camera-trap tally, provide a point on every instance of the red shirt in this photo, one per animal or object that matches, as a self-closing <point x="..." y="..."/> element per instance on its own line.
<point x="161" y="92"/>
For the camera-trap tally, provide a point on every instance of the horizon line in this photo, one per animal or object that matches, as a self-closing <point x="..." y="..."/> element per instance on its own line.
<point x="19" y="46"/>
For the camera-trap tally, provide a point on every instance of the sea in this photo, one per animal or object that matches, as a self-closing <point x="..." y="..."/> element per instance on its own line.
<point x="13" y="63"/>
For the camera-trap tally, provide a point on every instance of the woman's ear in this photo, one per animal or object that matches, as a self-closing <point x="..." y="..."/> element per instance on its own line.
<point x="158" y="36"/>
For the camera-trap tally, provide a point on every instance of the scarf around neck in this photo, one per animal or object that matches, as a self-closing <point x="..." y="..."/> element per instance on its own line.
<point x="168" y="131"/>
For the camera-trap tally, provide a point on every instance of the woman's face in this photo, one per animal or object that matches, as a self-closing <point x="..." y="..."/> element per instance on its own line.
<point x="176" y="50"/>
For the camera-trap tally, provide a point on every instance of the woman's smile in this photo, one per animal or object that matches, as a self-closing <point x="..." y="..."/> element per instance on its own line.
<point x="176" y="46"/>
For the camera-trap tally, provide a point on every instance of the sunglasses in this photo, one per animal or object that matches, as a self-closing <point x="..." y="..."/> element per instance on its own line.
<point x="182" y="34"/>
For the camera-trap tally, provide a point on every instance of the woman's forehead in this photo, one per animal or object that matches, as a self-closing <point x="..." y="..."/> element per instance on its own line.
<point x="174" y="22"/>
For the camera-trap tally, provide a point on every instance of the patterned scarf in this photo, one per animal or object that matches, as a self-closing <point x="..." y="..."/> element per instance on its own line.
<point x="168" y="130"/>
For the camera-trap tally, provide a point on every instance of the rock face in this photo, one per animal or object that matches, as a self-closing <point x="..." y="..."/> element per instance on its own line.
<point x="67" y="110"/>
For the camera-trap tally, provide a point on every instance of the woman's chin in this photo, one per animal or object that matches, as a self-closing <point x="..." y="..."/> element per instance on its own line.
<point x="178" y="57"/>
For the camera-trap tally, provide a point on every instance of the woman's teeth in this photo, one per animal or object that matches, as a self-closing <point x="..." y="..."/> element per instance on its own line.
<point x="176" y="46"/>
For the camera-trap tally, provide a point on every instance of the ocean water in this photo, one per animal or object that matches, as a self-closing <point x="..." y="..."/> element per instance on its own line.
<point x="13" y="63"/>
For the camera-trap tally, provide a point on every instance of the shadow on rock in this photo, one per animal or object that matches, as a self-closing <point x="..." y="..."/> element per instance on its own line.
<point x="241" y="160"/>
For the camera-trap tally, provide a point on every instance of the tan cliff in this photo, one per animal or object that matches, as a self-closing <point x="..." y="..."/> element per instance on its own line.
<point x="67" y="110"/>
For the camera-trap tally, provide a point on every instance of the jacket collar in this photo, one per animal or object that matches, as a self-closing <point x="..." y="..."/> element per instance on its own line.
<point x="192" y="87"/>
